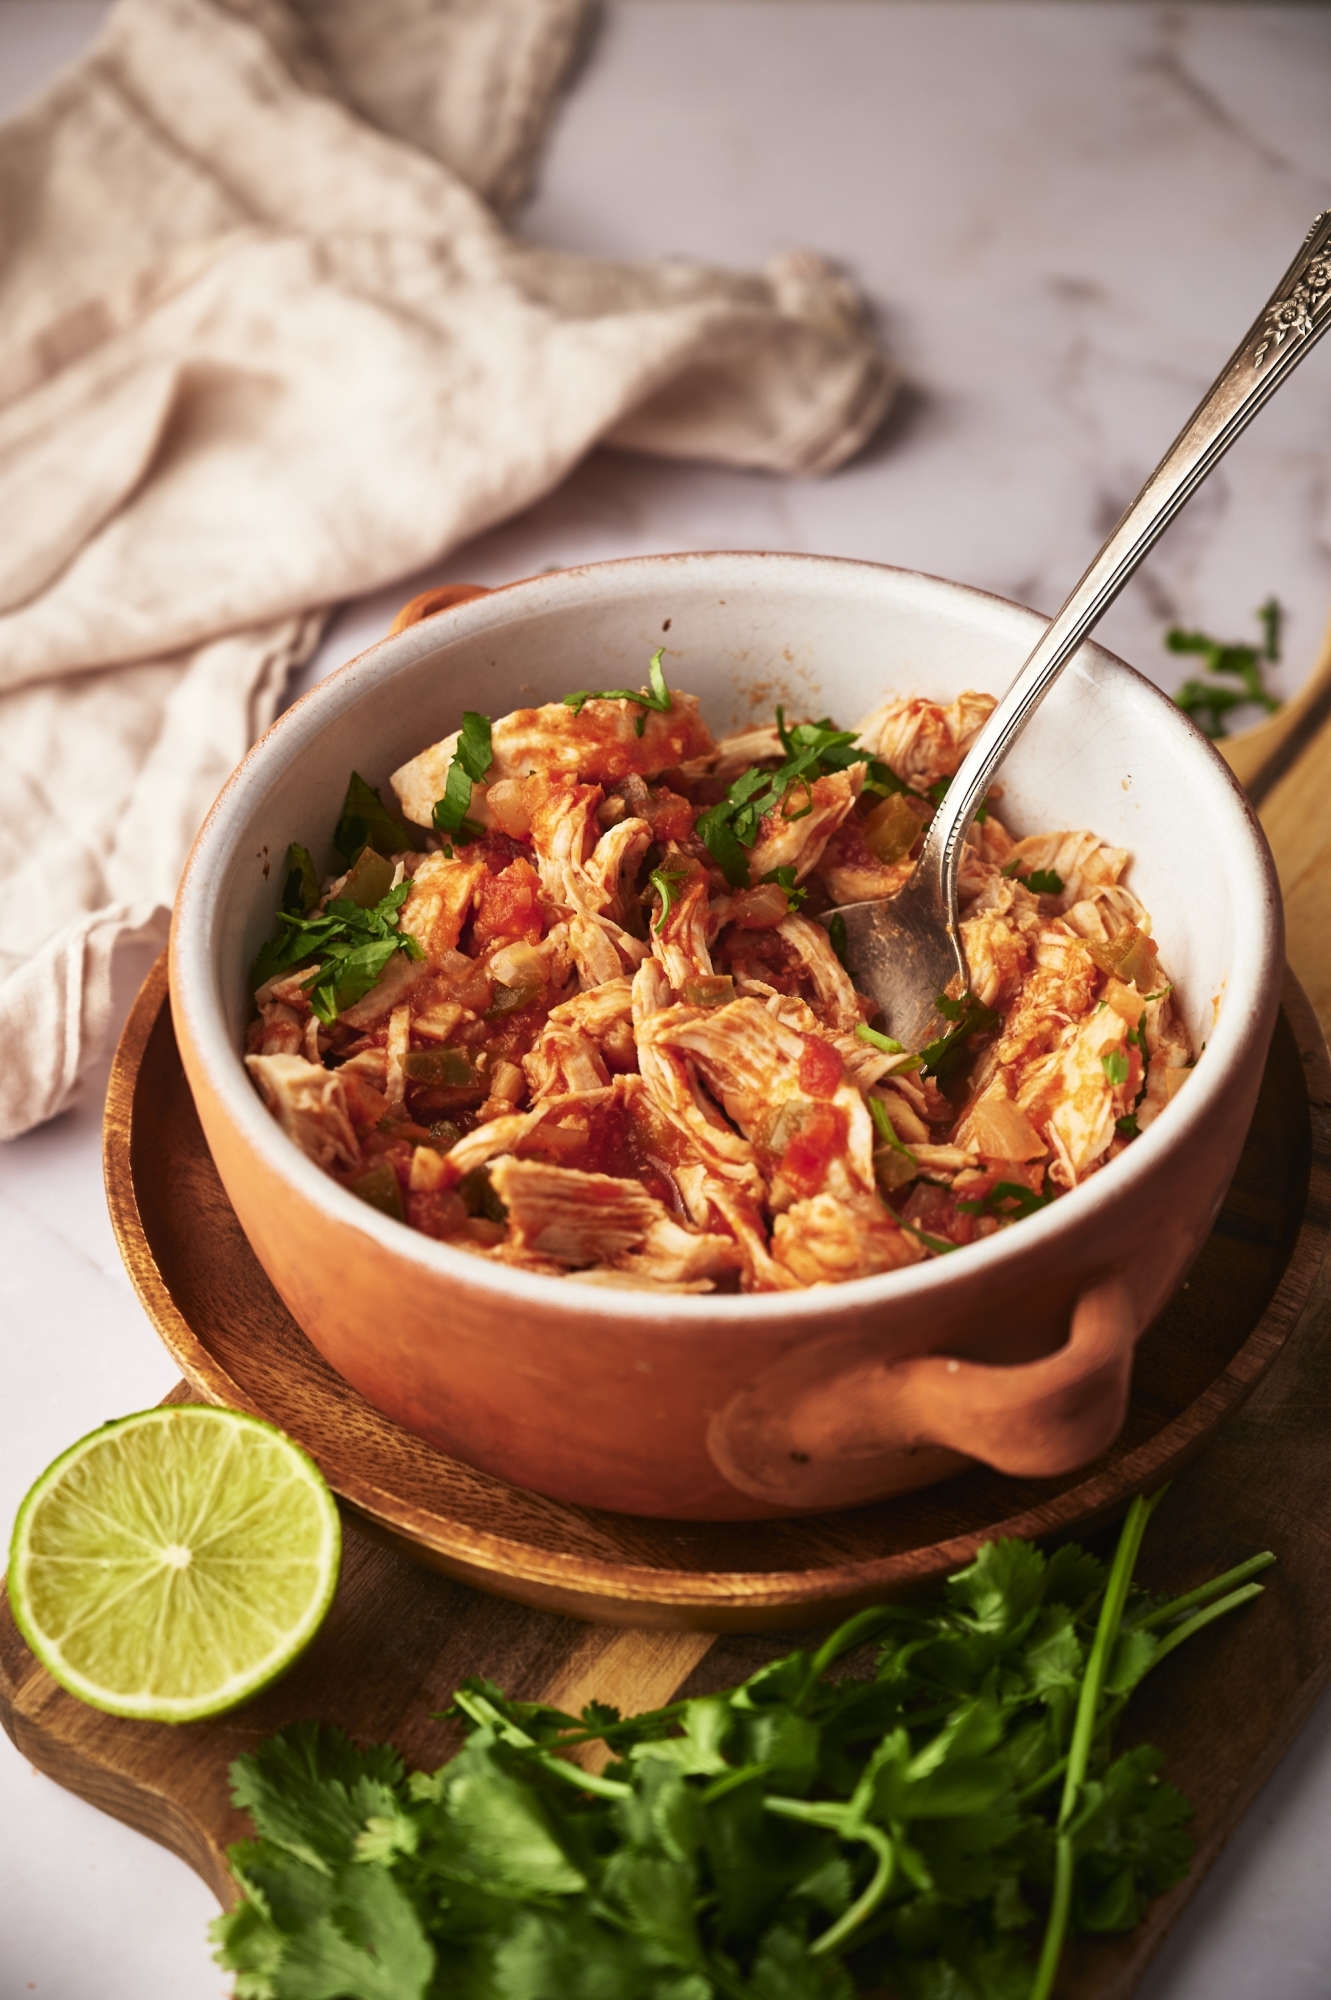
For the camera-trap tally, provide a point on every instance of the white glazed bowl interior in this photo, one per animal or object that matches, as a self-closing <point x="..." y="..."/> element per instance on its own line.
<point x="1107" y="751"/>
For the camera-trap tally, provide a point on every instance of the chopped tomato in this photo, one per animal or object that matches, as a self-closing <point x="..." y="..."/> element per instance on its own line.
<point x="977" y="1184"/>
<point x="386" y="1146"/>
<point x="509" y="905"/>
<point x="365" y="1105"/>
<point x="819" y="1141"/>
<point x="759" y="955"/>
<point x="820" y="1068"/>
<point x="437" y="1213"/>
<point x="671" y="816"/>
<point x="497" y="849"/>
<point x="934" y="1211"/>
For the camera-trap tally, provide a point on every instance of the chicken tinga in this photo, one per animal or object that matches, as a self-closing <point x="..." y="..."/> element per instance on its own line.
<point x="573" y="1011"/>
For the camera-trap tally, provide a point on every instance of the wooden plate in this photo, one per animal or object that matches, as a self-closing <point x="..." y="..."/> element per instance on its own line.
<point x="235" y="1343"/>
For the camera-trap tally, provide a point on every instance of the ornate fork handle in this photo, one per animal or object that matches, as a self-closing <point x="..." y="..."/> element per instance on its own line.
<point x="1298" y="313"/>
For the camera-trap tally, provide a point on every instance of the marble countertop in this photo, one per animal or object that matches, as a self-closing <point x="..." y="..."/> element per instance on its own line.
<point x="1065" y="217"/>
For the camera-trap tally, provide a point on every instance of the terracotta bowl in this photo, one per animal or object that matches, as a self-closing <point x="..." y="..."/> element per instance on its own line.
<point x="1017" y="1350"/>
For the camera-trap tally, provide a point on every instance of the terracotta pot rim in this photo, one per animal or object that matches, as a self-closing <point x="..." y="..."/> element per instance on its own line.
<point x="1258" y="962"/>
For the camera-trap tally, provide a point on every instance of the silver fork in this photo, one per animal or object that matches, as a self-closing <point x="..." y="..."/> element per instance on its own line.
<point x="905" y="952"/>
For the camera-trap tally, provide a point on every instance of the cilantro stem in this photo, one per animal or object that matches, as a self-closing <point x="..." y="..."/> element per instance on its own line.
<point x="1106" y="1632"/>
<point x="863" y="1626"/>
<point x="489" y="1717"/>
<point x="837" y="1819"/>
<point x="940" y="1245"/>
<point x="887" y="1132"/>
<point x="1206" y="1617"/>
<point x="1204" y="1591"/>
<point x="1110" y="1713"/>
<point x="1084" y="1731"/>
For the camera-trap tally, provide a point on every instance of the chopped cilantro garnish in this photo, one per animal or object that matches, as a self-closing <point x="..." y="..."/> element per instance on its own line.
<point x="1009" y="1200"/>
<point x="1209" y="703"/>
<point x="813" y="750"/>
<point x="352" y="947"/>
<point x="470" y="765"/>
<point x="784" y="878"/>
<point x="971" y="1016"/>
<point x="666" y="882"/>
<point x="366" y="821"/>
<point x="939" y="792"/>
<point x="887" y="1046"/>
<point x="940" y="1245"/>
<point x="655" y="696"/>
<point x="836" y="936"/>
<point x="1114" y="1063"/>
<point x="1128" y="1126"/>
<point x="300" y="890"/>
<point x="887" y="1131"/>
<point x="885" y="1043"/>
<point x="1040" y="881"/>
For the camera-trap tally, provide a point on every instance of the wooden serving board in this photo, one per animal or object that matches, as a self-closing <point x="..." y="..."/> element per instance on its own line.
<point x="400" y="1635"/>
<point x="235" y="1343"/>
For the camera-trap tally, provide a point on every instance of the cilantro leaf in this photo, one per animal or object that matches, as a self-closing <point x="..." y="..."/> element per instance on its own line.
<point x="1000" y="1588"/>
<point x="1008" y="1200"/>
<point x="469" y="766"/>
<point x="784" y="877"/>
<point x="666" y="882"/>
<point x="971" y="1017"/>
<point x="813" y="750"/>
<point x="300" y="890"/>
<point x="1114" y="1063"/>
<point x="655" y="696"/>
<point x="715" y="828"/>
<point x="352" y="947"/>
<point x="366" y="821"/>
<point x="310" y="1790"/>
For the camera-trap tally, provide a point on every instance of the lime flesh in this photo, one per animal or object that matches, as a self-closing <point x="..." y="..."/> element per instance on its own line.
<point x="173" y="1563"/>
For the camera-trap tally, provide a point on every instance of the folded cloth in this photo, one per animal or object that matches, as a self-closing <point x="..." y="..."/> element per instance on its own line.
<point x="261" y="354"/>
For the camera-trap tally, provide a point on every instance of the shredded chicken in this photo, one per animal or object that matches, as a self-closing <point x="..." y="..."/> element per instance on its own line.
<point x="826" y="1241"/>
<point x="795" y="835"/>
<point x="309" y="1103"/>
<point x="580" y="1219"/>
<point x="438" y="902"/>
<point x="628" y="1053"/>
<point x="601" y="744"/>
<point x="923" y="741"/>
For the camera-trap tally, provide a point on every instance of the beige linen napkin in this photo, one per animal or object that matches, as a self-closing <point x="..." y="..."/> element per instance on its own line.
<point x="257" y="355"/>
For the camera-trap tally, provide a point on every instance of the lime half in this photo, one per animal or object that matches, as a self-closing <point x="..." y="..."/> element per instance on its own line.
<point x="171" y="1564"/>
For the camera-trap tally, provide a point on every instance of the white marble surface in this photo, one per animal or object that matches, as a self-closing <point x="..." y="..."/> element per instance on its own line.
<point x="1065" y="217"/>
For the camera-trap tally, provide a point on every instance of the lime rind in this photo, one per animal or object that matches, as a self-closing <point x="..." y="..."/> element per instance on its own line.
<point x="173" y="1563"/>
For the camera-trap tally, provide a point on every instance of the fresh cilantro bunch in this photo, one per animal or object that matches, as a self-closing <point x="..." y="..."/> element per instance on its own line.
<point x="931" y="1827"/>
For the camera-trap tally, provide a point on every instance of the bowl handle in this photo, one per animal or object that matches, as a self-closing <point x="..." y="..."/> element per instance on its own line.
<point x="807" y="1434"/>
<point x="441" y="598"/>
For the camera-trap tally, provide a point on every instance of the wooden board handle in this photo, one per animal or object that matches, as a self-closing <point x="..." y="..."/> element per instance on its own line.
<point x="848" y="1435"/>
